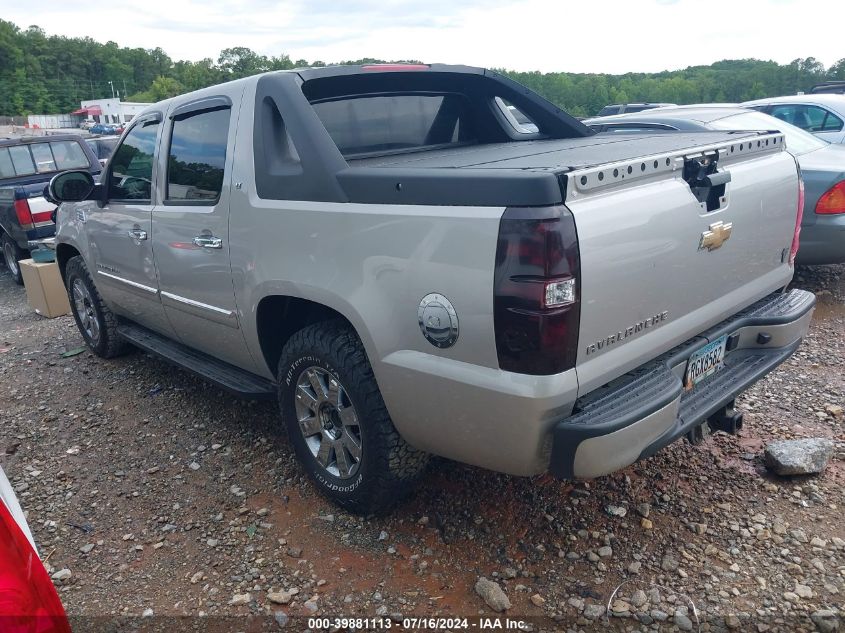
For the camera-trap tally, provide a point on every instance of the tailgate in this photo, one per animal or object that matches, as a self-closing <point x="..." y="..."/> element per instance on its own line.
<point x="659" y="264"/>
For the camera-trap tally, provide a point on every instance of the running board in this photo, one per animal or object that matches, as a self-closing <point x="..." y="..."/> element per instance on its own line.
<point x="236" y="381"/>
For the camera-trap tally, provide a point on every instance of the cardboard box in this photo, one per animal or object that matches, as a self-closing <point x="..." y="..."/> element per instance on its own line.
<point x="45" y="291"/>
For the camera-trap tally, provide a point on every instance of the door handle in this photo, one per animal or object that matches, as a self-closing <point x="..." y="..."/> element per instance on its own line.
<point x="207" y="241"/>
<point x="137" y="234"/>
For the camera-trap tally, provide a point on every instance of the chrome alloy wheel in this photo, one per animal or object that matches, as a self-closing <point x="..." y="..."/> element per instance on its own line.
<point x="83" y="305"/>
<point x="9" y="256"/>
<point x="328" y="422"/>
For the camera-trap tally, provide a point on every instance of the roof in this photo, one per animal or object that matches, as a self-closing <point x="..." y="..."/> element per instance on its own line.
<point x="831" y="100"/>
<point x="25" y="140"/>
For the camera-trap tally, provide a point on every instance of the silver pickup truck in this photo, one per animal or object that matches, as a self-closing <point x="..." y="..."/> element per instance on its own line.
<point x="411" y="270"/>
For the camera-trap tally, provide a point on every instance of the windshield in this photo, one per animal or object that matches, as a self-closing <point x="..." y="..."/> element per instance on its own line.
<point x="797" y="140"/>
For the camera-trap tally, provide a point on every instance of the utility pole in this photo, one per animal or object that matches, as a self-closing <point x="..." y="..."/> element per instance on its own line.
<point x="112" y="89"/>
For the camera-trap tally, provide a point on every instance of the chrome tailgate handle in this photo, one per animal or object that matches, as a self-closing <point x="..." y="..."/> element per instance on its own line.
<point x="137" y="234"/>
<point x="206" y="241"/>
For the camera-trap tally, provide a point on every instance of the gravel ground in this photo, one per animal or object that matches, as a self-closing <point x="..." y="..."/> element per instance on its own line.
<point x="162" y="496"/>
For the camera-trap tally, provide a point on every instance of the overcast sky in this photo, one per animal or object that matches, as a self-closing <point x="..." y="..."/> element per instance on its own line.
<point x="613" y="36"/>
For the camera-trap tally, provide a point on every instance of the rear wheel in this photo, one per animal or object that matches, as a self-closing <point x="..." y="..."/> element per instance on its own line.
<point x="338" y="423"/>
<point x="12" y="254"/>
<point x="96" y="323"/>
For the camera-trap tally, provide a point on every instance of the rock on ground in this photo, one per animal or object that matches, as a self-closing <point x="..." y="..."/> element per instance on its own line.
<point x="492" y="594"/>
<point x="825" y="621"/>
<point x="798" y="457"/>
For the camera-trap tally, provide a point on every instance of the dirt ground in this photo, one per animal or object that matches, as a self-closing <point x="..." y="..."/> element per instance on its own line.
<point x="165" y="497"/>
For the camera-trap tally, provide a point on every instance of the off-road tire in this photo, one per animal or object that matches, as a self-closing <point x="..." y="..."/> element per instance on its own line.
<point x="388" y="468"/>
<point x="109" y="343"/>
<point x="7" y="246"/>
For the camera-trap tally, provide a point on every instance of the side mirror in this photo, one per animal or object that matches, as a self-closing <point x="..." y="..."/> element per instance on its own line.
<point x="71" y="186"/>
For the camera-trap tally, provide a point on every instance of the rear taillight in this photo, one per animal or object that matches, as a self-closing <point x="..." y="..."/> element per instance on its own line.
<point x="28" y="601"/>
<point x="796" y="237"/>
<point x="833" y="200"/>
<point x="536" y="300"/>
<point x="23" y="213"/>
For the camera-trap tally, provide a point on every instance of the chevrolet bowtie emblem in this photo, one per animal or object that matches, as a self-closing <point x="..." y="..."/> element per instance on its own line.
<point x="718" y="234"/>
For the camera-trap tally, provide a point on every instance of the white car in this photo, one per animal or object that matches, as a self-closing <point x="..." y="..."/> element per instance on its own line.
<point x="821" y="114"/>
<point x="28" y="599"/>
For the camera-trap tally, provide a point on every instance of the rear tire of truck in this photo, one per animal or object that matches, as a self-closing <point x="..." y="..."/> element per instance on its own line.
<point x="12" y="254"/>
<point x="338" y="423"/>
<point x="96" y="323"/>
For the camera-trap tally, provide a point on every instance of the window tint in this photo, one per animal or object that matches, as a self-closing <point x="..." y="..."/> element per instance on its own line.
<point x="638" y="108"/>
<point x="22" y="160"/>
<point x="131" y="173"/>
<point x="609" y="110"/>
<point x="832" y="123"/>
<point x="807" y="117"/>
<point x="7" y="169"/>
<point x="68" y="155"/>
<point x="517" y="118"/>
<point x="397" y="122"/>
<point x="198" y="155"/>
<point x="25" y="160"/>
<point x="815" y="117"/>
<point x="43" y="157"/>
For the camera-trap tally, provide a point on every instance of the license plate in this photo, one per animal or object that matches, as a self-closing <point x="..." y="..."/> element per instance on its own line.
<point x="705" y="362"/>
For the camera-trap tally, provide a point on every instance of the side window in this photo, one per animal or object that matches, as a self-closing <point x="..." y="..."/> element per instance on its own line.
<point x="784" y="113"/>
<point x="815" y="117"/>
<point x="517" y="118"/>
<point x="69" y="155"/>
<point x="197" y="156"/>
<point x="130" y="177"/>
<point x="43" y="157"/>
<point x="832" y="123"/>
<point x="22" y="160"/>
<point x="7" y="169"/>
<point x="810" y="118"/>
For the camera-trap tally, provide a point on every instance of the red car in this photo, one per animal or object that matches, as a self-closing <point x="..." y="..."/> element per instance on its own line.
<point x="28" y="600"/>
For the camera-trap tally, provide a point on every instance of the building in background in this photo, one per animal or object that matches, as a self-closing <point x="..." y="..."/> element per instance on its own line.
<point x="109" y="111"/>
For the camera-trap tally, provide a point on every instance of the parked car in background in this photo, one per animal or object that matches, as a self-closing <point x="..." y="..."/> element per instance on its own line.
<point x="26" y="166"/>
<point x="819" y="114"/>
<point x="622" y="108"/>
<point x="103" y="128"/>
<point x="103" y="147"/>
<point x="829" y="87"/>
<point x="408" y="269"/>
<point x="822" y="166"/>
<point x="29" y="602"/>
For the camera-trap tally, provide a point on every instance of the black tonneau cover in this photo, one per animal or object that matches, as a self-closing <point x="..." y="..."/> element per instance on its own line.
<point x="558" y="155"/>
<point x="528" y="173"/>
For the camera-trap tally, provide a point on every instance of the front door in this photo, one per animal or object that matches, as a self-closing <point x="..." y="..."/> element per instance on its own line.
<point x="191" y="226"/>
<point x="120" y="231"/>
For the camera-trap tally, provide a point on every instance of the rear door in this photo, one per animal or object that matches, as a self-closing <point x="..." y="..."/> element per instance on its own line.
<point x="191" y="226"/>
<point x="120" y="232"/>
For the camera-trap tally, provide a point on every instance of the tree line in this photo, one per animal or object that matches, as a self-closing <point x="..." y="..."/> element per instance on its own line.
<point x="48" y="74"/>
